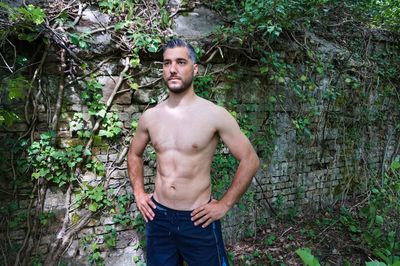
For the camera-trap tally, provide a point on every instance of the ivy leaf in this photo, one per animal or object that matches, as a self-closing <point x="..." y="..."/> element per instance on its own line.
<point x="264" y="69"/>
<point x="36" y="14"/>
<point x="307" y="257"/>
<point x="102" y="113"/>
<point x="134" y="124"/>
<point x="17" y="87"/>
<point x="87" y="152"/>
<point x="102" y="133"/>
<point x="375" y="263"/>
<point x="164" y="17"/>
<point x="93" y="206"/>
<point x="134" y="62"/>
<point x="7" y="118"/>
<point x="395" y="165"/>
<point x="162" y="2"/>
<point x="119" y="26"/>
<point x="134" y="86"/>
<point x="379" y="220"/>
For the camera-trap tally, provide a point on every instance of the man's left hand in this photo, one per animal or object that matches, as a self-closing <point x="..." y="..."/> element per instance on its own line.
<point x="208" y="213"/>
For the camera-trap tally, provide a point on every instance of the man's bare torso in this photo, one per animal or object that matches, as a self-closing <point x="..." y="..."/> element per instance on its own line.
<point x="185" y="138"/>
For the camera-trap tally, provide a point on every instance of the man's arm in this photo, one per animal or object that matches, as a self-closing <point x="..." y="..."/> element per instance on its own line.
<point x="243" y="151"/>
<point x="135" y="170"/>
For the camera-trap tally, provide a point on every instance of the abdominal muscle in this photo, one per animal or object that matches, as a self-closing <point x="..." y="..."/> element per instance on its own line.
<point x="183" y="180"/>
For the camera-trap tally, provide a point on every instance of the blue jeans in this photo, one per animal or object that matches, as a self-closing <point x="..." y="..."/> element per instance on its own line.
<point x="173" y="238"/>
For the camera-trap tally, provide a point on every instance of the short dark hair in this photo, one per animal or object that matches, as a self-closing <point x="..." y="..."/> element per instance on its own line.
<point x="181" y="43"/>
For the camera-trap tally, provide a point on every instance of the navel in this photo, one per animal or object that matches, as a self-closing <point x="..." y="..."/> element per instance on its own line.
<point x="195" y="146"/>
<point x="173" y="187"/>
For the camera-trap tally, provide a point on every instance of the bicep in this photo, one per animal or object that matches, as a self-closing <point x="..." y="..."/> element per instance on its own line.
<point x="140" y="139"/>
<point x="230" y="133"/>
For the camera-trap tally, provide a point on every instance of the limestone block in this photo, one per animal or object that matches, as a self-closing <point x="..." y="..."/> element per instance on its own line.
<point x="47" y="239"/>
<point x="119" y="174"/>
<point x="43" y="249"/>
<point x="73" y="249"/>
<point x="85" y="231"/>
<point x="72" y="95"/>
<point x="125" y="238"/>
<point x="107" y="158"/>
<point x="143" y="96"/>
<point x="106" y="220"/>
<point x="76" y="107"/>
<point x="114" y="183"/>
<point x="54" y="200"/>
<point x="91" y="17"/>
<point x="93" y="222"/>
<point x="99" y="230"/>
<point x="89" y="177"/>
<point x="199" y="23"/>
<point x="149" y="171"/>
<point x="123" y="258"/>
<point x="17" y="127"/>
<point x="131" y="109"/>
<point x="124" y="117"/>
<point x="17" y="235"/>
<point x="109" y="83"/>
<point x="117" y="108"/>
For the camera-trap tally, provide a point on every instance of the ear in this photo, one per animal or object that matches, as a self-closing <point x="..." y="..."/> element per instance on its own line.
<point x="195" y="69"/>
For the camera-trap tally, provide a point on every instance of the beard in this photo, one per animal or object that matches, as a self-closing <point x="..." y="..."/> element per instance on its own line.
<point x="180" y="85"/>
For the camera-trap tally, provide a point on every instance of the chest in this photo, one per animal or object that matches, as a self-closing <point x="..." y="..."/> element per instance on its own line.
<point x="184" y="133"/>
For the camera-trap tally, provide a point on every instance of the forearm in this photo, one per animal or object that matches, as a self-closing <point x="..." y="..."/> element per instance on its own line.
<point x="135" y="171"/>
<point x="241" y="181"/>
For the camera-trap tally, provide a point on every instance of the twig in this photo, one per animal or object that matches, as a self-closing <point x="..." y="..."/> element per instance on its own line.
<point x="61" y="87"/>
<point x="265" y="196"/>
<point x="27" y="234"/>
<point x="98" y="66"/>
<point x="5" y="62"/>
<point x="287" y="230"/>
<point x="142" y="86"/>
<point x="80" y="12"/>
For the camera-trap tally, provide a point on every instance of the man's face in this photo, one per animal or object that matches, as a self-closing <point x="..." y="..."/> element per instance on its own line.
<point x="178" y="69"/>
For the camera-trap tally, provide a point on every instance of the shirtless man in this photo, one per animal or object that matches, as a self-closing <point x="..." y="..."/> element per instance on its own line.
<point x="182" y="222"/>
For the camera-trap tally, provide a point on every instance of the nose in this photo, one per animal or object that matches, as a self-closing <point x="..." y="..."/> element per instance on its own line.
<point x="172" y="67"/>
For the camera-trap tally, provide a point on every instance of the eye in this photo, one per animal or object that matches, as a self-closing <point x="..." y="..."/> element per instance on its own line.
<point x="166" y="63"/>
<point x="181" y="62"/>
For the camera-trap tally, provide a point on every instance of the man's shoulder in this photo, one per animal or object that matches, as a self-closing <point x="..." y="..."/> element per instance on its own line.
<point x="210" y="106"/>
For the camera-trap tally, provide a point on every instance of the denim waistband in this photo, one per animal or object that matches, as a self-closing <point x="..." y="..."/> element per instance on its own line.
<point x="165" y="208"/>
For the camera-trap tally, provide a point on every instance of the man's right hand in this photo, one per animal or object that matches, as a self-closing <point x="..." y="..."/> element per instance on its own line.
<point x="145" y="205"/>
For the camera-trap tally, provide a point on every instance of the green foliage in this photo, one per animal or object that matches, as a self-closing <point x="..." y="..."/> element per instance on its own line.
<point x="45" y="218"/>
<point x="110" y="238"/>
<point x="16" y="88"/>
<point x="89" y="242"/>
<point x="121" y="214"/>
<point x="112" y="127"/>
<point x="92" y="96"/>
<point x="79" y="126"/>
<point x="93" y="198"/>
<point x="53" y="164"/>
<point x="307" y="258"/>
<point x="381" y="216"/>
<point x="24" y="21"/>
<point x="8" y="118"/>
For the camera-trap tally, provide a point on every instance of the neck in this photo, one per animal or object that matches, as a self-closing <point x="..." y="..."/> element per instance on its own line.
<point x="181" y="99"/>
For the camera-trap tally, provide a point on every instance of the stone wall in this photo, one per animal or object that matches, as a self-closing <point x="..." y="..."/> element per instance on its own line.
<point x="310" y="172"/>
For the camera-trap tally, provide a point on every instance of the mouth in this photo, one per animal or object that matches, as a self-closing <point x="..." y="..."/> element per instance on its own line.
<point x="173" y="78"/>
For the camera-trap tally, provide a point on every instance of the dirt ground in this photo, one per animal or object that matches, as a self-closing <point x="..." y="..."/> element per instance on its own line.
<point x="322" y="231"/>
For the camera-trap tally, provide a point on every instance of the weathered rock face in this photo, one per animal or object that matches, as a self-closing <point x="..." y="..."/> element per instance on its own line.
<point x="196" y="24"/>
<point x="296" y="173"/>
